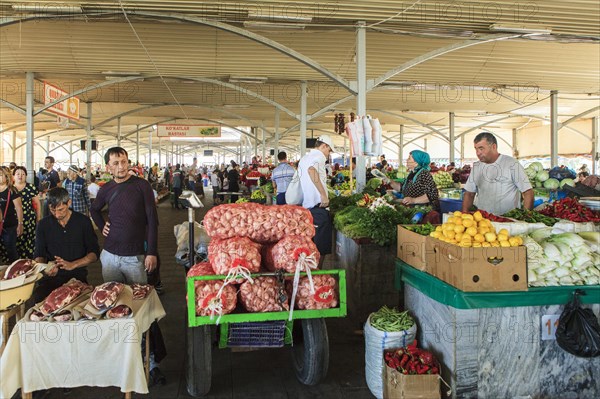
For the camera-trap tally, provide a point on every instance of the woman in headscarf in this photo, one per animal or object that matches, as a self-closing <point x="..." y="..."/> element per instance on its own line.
<point x="419" y="187"/>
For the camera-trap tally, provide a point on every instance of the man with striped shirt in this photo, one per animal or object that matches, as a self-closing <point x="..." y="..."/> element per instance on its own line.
<point x="281" y="177"/>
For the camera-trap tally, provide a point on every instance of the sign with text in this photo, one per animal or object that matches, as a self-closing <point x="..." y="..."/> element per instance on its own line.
<point x="549" y="326"/>
<point x="68" y="108"/>
<point x="172" y="130"/>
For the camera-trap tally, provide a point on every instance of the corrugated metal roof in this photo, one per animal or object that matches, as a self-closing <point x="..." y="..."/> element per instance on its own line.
<point x="74" y="48"/>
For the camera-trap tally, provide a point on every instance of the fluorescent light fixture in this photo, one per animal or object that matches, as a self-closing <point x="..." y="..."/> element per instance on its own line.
<point x="247" y="79"/>
<point x="541" y="30"/>
<point x="236" y="106"/>
<point x="259" y="25"/>
<point x="279" y="18"/>
<point x="42" y="8"/>
<point x="120" y="73"/>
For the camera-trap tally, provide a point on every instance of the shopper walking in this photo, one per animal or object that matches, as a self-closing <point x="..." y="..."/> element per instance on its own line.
<point x="281" y="177"/>
<point x="77" y="189"/>
<point x="177" y="185"/>
<point x="50" y="178"/>
<point x="66" y="237"/>
<point x="216" y="184"/>
<point x="93" y="189"/>
<point x="233" y="175"/>
<point x="32" y="212"/>
<point x="11" y="214"/>
<point x="313" y="180"/>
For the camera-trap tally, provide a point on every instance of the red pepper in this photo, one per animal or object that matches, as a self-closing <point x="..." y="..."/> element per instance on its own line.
<point x="403" y="360"/>
<point x="435" y="370"/>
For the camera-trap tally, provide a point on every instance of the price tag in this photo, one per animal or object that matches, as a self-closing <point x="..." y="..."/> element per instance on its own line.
<point x="549" y="325"/>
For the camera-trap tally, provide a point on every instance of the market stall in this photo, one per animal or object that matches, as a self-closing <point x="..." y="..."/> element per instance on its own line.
<point x="103" y="352"/>
<point x="487" y="296"/>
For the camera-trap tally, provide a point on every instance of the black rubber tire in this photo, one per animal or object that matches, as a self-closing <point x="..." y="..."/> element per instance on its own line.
<point x="198" y="360"/>
<point x="310" y="353"/>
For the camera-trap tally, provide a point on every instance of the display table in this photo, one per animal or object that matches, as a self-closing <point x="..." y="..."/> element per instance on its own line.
<point x="16" y="311"/>
<point x="43" y="355"/>
<point x="490" y="343"/>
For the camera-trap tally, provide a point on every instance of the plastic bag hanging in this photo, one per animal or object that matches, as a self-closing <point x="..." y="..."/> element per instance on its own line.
<point x="578" y="330"/>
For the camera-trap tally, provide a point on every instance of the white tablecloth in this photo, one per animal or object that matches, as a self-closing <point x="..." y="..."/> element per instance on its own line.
<point x="43" y="355"/>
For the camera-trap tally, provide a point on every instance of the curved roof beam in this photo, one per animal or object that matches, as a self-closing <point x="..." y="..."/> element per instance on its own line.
<point x="434" y="130"/>
<point x="574" y="118"/>
<point x="309" y="62"/>
<point x="85" y="90"/>
<point x="145" y="107"/>
<point x="7" y="129"/>
<point x="436" y="53"/>
<point x="12" y="106"/>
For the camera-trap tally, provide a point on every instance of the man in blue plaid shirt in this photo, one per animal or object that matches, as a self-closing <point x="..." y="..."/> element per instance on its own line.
<point x="77" y="188"/>
<point x="281" y="177"/>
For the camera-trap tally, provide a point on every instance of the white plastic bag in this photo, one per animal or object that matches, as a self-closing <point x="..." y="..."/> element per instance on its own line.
<point x="375" y="343"/>
<point x="293" y="194"/>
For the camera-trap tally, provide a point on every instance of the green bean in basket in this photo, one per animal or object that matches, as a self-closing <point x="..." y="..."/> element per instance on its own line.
<point x="391" y="320"/>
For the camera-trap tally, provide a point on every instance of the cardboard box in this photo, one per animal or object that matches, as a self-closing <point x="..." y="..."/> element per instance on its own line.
<point x="412" y="248"/>
<point x="479" y="269"/>
<point x="401" y="386"/>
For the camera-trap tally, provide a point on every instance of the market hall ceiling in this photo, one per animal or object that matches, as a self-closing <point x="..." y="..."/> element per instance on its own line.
<point x="235" y="62"/>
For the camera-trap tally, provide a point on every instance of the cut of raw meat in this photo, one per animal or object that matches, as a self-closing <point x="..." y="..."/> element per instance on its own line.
<point x="62" y="296"/>
<point x="106" y="295"/>
<point x="18" y="267"/>
<point x="36" y="316"/>
<point x="141" y="291"/>
<point x="118" y="312"/>
<point x="64" y="315"/>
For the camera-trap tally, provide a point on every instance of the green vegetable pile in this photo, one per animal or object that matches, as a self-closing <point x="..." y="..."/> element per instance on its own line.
<point x="338" y="203"/>
<point x="391" y="320"/>
<point x="422" y="229"/>
<point x="528" y="216"/>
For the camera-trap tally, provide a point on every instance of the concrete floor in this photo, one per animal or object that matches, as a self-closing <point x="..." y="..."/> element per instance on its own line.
<point x="257" y="374"/>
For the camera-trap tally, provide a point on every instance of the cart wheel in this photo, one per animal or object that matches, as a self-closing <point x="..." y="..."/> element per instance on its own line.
<point x="198" y="370"/>
<point x="310" y="352"/>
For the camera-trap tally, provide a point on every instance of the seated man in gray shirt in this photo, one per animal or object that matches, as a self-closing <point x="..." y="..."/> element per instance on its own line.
<point x="497" y="182"/>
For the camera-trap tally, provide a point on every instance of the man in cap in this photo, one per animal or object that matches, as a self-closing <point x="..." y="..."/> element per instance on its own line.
<point x="78" y="192"/>
<point x="313" y="180"/>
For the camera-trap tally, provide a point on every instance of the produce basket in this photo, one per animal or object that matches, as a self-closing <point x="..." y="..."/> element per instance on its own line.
<point x="239" y="317"/>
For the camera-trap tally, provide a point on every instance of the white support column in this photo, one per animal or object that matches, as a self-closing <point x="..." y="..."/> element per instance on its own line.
<point x="173" y="154"/>
<point x="149" y="161"/>
<point x="159" y="152"/>
<point x="241" y="154"/>
<point x="255" y="129"/>
<point x="276" y="134"/>
<point x="137" y="143"/>
<point x="47" y="145"/>
<point x="88" y="143"/>
<point x="345" y="157"/>
<point x="71" y="153"/>
<point x="425" y="145"/>
<point x="553" y="128"/>
<point x="119" y="131"/>
<point x="361" y="98"/>
<point x="451" y="138"/>
<point x="303" y="120"/>
<point x="595" y="144"/>
<point x="462" y="149"/>
<point x="514" y="144"/>
<point x="264" y="144"/>
<point x="14" y="146"/>
<point x="29" y="98"/>
<point x="401" y="146"/>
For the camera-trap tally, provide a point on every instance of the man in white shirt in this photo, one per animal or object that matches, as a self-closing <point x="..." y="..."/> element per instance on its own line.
<point x="497" y="182"/>
<point x="93" y="188"/>
<point x="313" y="180"/>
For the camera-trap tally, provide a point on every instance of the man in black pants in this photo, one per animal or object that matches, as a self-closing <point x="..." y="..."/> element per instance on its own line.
<point x="66" y="237"/>
<point x="313" y="177"/>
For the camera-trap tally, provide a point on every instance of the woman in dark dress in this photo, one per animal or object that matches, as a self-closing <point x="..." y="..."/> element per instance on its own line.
<point x="11" y="214"/>
<point x="32" y="213"/>
<point x="419" y="187"/>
